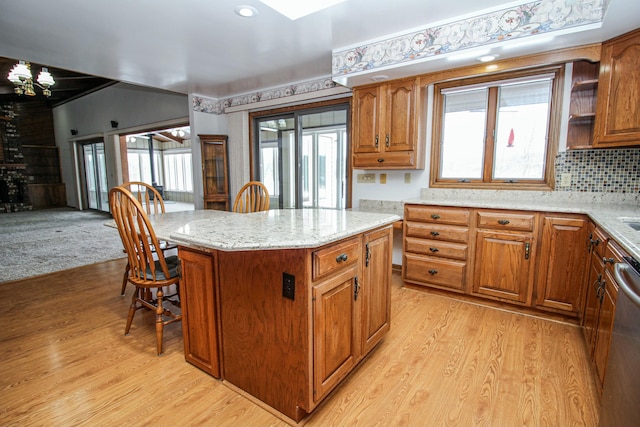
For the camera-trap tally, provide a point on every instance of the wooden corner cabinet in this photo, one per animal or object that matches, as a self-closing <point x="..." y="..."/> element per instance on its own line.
<point x="385" y="132"/>
<point x="618" y="110"/>
<point x="215" y="170"/>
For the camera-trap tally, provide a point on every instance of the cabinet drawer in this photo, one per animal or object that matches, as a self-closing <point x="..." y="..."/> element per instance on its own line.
<point x="436" y="248"/>
<point x="335" y="257"/>
<point x="612" y="255"/>
<point x="437" y="231"/>
<point x="437" y="271"/>
<point x="599" y="240"/>
<point x="438" y="215"/>
<point x="385" y="160"/>
<point x="506" y="220"/>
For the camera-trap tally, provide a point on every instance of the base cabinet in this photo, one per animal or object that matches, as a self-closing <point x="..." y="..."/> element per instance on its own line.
<point x="518" y="257"/>
<point x="198" y="302"/>
<point x="291" y="324"/>
<point x="503" y="265"/>
<point x="561" y="266"/>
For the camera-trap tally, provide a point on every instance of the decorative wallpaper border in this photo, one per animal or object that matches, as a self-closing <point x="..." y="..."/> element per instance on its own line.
<point x="219" y="106"/>
<point x="515" y="22"/>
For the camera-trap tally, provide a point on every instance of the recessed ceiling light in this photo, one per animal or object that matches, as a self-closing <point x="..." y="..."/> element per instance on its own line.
<point x="246" y="11"/>
<point x="294" y="9"/>
<point x="487" y="58"/>
<point x="380" y="77"/>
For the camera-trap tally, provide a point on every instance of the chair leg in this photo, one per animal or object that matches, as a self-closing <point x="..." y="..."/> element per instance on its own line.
<point x="132" y="310"/>
<point x="159" y="321"/>
<point x="125" y="279"/>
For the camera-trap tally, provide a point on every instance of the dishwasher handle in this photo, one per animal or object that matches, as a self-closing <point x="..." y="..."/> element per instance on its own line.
<point x="628" y="281"/>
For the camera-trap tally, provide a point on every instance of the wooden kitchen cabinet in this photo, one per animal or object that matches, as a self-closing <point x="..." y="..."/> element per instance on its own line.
<point x="612" y="254"/>
<point x="505" y="255"/>
<point x="563" y="255"/>
<point x="376" y="299"/>
<point x="384" y="127"/>
<point x="436" y="246"/>
<point x="597" y="241"/>
<point x="198" y="301"/>
<point x="215" y="170"/>
<point x="335" y="320"/>
<point x="290" y="349"/>
<point x="582" y="108"/>
<point x="618" y="111"/>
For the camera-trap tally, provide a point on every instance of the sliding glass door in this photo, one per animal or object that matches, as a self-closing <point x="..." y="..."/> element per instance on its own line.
<point x="95" y="169"/>
<point x="303" y="157"/>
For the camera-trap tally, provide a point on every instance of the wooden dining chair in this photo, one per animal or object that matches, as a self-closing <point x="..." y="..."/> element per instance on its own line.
<point x="150" y="199"/>
<point x="148" y="269"/>
<point x="252" y="197"/>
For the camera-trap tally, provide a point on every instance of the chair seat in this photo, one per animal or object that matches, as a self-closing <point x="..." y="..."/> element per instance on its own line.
<point x="172" y="263"/>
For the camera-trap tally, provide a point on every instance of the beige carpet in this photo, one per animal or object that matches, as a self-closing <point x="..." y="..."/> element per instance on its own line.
<point x="44" y="241"/>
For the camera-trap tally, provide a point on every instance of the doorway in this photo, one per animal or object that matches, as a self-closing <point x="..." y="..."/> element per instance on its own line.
<point x="303" y="157"/>
<point x="96" y="191"/>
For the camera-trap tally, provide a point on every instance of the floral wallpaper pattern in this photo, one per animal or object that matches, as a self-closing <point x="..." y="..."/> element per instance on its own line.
<point x="218" y="106"/>
<point x="527" y="19"/>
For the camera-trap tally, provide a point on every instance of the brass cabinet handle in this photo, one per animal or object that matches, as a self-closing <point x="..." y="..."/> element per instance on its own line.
<point x="435" y="233"/>
<point x="356" y="288"/>
<point x="608" y="260"/>
<point x="376" y="141"/>
<point x="387" y="140"/>
<point x="434" y="250"/>
<point x="527" y="250"/>
<point x="380" y="160"/>
<point x="432" y="272"/>
<point x="503" y="221"/>
<point x="341" y="257"/>
<point x="435" y="216"/>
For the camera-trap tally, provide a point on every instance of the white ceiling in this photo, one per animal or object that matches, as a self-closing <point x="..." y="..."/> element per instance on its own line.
<point x="203" y="47"/>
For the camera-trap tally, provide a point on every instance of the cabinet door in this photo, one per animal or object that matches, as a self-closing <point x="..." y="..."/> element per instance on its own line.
<point x="503" y="265"/>
<point x="400" y="116"/>
<point x="366" y="120"/>
<point x="336" y="348"/>
<point x="592" y="301"/>
<point x="375" y="291"/>
<point x="618" y="110"/>
<point x="605" y="326"/>
<point x="562" y="258"/>
<point x="198" y="304"/>
<point x="215" y="184"/>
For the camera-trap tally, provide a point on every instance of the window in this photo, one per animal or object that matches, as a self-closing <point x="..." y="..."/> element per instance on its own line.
<point x="177" y="171"/>
<point x="302" y="155"/>
<point x="140" y="166"/>
<point x="496" y="133"/>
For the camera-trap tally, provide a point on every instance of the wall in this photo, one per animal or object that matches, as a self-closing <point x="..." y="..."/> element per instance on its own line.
<point x="131" y="106"/>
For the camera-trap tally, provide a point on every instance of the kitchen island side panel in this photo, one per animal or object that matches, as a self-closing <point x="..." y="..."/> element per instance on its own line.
<point x="266" y="338"/>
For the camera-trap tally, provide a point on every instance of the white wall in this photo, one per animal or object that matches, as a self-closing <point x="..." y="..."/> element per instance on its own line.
<point x="131" y="106"/>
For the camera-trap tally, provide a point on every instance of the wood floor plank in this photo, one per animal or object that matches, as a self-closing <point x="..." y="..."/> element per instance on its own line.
<point x="65" y="361"/>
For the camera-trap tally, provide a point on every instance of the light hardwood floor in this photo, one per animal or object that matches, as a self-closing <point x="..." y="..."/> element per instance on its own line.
<point x="65" y="361"/>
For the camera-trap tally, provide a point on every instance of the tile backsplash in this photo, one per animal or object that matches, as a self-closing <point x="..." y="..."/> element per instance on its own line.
<point x="606" y="171"/>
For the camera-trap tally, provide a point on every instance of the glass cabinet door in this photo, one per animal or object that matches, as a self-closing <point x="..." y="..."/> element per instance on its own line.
<point x="214" y="172"/>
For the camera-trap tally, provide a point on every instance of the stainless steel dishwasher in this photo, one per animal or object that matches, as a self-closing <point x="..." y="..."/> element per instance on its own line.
<point x="621" y="392"/>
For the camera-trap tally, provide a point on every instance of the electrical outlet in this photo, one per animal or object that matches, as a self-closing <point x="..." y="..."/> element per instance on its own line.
<point x="383" y="178"/>
<point x="565" y="180"/>
<point x="289" y="286"/>
<point x="407" y="178"/>
<point x="366" y="178"/>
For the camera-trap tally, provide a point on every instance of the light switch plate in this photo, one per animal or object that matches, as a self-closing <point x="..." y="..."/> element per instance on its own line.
<point x="383" y="178"/>
<point x="565" y="180"/>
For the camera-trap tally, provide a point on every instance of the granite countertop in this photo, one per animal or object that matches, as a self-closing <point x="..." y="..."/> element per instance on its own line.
<point x="273" y="229"/>
<point x="606" y="210"/>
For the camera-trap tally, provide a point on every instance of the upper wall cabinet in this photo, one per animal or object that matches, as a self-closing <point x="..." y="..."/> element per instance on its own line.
<point x="384" y="127"/>
<point x="582" y="110"/>
<point x="618" y="109"/>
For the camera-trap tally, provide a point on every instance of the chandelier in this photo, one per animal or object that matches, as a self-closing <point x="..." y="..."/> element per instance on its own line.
<point x="20" y="76"/>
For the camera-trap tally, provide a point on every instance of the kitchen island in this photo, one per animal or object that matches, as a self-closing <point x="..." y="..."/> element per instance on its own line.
<point x="282" y="304"/>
